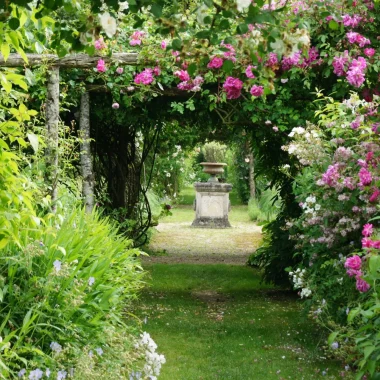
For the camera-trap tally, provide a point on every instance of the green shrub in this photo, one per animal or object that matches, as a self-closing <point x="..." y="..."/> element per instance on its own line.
<point x="266" y="207"/>
<point x="214" y="152"/>
<point x="69" y="282"/>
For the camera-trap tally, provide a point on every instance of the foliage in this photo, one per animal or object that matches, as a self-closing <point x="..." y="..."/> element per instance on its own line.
<point x="214" y="151"/>
<point x="265" y="207"/>
<point x="68" y="283"/>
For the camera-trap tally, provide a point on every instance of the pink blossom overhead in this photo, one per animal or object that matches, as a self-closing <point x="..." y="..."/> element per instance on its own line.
<point x="249" y="73"/>
<point x="182" y="75"/>
<point x="233" y="87"/>
<point x="362" y="285"/>
<point x="215" y="63"/>
<point x="145" y="77"/>
<point x="291" y="61"/>
<point x="101" y="66"/>
<point x="191" y="84"/>
<point x="257" y="90"/>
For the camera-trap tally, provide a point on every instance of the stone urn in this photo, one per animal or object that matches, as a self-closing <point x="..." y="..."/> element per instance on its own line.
<point x="213" y="168"/>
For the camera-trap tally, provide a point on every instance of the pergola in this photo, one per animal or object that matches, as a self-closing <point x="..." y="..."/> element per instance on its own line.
<point x="55" y="63"/>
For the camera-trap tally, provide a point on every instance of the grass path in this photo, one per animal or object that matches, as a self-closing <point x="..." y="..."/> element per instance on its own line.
<point x="217" y="321"/>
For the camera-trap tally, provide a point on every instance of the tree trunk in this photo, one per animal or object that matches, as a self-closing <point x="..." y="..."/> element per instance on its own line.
<point x="85" y="151"/>
<point x="52" y="120"/>
<point x="252" y="183"/>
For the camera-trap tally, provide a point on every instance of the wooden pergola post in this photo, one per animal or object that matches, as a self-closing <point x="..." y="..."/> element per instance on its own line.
<point x="85" y="153"/>
<point x="52" y="121"/>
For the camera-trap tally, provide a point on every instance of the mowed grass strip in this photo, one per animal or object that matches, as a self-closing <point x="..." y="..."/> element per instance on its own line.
<point x="220" y="322"/>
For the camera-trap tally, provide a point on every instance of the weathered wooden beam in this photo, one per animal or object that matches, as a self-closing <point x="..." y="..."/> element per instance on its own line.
<point x="52" y="121"/>
<point x="69" y="61"/>
<point x="85" y="153"/>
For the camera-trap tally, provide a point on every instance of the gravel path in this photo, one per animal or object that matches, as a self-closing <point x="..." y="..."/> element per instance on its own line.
<point x="180" y="243"/>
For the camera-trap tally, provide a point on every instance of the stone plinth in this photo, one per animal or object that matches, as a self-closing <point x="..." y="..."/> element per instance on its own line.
<point x="212" y="204"/>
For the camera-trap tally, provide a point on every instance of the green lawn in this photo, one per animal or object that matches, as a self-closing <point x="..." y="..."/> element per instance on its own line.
<point x="219" y="322"/>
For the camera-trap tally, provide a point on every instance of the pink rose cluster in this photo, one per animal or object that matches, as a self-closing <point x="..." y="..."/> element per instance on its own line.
<point x="357" y="38"/>
<point x="340" y="64"/>
<point x="215" y="63"/>
<point x="233" y="87"/>
<point x="101" y="66"/>
<point x="146" y="77"/>
<point x="188" y="84"/>
<point x="367" y="242"/>
<point x="99" y="44"/>
<point x="249" y="73"/>
<point x="136" y="38"/>
<point x="356" y="72"/>
<point x="272" y="60"/>
<point x="331" y="176"/>
<point x="353" y="265"/>
<point x="351" y="21"/>
<point x="230" y="53"/>
<point x="297" y="60"/>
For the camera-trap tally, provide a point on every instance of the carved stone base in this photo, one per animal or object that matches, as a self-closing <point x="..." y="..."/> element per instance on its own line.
<point x="212" y="205"/>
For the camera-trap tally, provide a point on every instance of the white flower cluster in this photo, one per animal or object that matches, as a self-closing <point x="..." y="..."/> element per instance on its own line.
<point x="310" y="206"/>
<point x="153" y="360"/>
<point x="291" y="43"/>
<point x="299" y="282"/>
<point x="297" y="278"/>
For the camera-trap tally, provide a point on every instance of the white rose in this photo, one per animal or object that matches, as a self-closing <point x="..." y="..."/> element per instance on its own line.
<point x="108" y="24"/>
<point x="242" y="4"/>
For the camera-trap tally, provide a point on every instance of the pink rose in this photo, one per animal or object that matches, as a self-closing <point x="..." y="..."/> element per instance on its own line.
<point x="115" y="106"/>
<point x="233" y="87"/>
<point x="369" y="52"/>
<point x="101" y="66"/>
<point x="163" y="45"/>
<point x="215" y="63"/>
<point x="182" y="75"/>
<point x="249" y="73"/>
<point x="367" y="230"/>
<point x="367" y="243"/>
<point x="120" y="70"/>
<point x="353" y="262"/>
<point x="362" y="285"/>
<point x="257" y="90"/>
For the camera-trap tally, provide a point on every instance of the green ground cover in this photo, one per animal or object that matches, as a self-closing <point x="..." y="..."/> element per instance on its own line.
<point x="220" y="322"/>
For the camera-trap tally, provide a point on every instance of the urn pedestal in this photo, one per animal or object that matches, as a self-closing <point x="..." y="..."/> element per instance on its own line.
<point x="212" y="204"/>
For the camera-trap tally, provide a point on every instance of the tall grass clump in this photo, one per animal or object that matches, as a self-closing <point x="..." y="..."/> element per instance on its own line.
<point x="265" y="207"/>
<point x="65" y="288"/>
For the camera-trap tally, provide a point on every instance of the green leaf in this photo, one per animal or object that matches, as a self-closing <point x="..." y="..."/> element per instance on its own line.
<point x="333" y="25"/>
<point x="14" y="39"/>
<point x="242" y="28"/>
<point x="203" y="34"/>
<point x="156" y="10"/>
<point x="5" y="50"/>
<point x="177" y="44"/>
<point x="228" y="66"/>
<point x="352" y="314"/>
<point x="332" y="337"/>
<point x="368" y="351"/>
<point x="374" y="265"/>
<point x="192" y="69"/>
<point x="14" y="23"/>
